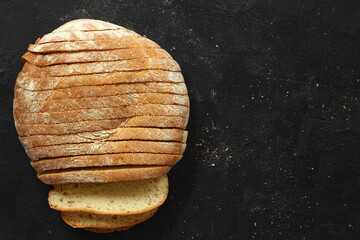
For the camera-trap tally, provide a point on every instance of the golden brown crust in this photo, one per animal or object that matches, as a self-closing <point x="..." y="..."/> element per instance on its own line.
<point x="117" y="159"/>
<point x="107" y="230"/>
<point x="100" y="114"/>
<point x="102" y="175"/>
<point x="100" y="102"/>
<point x="105" y="148"/>
<point x="101" y="67"/>
<point x="102" y="90"/>
<point x="42" y="60"/>
<point x="120" y="43"/>
<point x="70" y="218"/>
<point x="88" y="126"/>
<point x="147" y="134"/>
<point x="26" y="82"/>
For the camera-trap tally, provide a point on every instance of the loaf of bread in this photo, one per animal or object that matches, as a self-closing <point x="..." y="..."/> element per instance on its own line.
<point x="101" y="112"/>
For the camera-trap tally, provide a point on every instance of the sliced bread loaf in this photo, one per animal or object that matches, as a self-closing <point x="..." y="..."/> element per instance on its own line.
<point x="117" y="198"/>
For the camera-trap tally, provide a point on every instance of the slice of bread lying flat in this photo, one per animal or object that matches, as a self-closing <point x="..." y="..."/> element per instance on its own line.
<point x="117" y="198"/>
<point x="91" y="220"/>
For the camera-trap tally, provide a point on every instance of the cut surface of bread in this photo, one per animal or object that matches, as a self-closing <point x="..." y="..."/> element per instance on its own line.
<point x="91" y="220"/>
<point x="26" y="82"/>
<point x="117" y="198"/>
<point x="42" y="60"/>
<point x="130" y="146"/>
<point x="98" y="125"/>
<point x="57" y="105"/>
<point x="156" y="134"/>
<point x="100" y="160"/>
<point x="139" y="64"/>
<point x="102" y="174"/>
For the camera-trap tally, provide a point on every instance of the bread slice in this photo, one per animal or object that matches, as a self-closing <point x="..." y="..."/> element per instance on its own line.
<point x="100" y="102"/>
<point x="107" y="230"/>
<point x="26" y="82"/>
<point x="105" y="147"/>
<point x="79" y="35"/>
<point x="116" y="198"/>
<point x="91" y="220"/>
<point x="117" y="159"/>
<point x="86" y="25"/>
<point x="99" y="125"/>
<point x="101" y="67"/>
<point x="120" y="43"/>
<point x="100" y="113"/>
<point x="156" y="134"/>
<point x="102" y="174"/>
<point x="42" y="60"/>
<point x="102" y="90"/>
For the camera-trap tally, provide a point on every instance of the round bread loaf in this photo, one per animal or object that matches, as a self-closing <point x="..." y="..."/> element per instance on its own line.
<point x="96" y="102"/>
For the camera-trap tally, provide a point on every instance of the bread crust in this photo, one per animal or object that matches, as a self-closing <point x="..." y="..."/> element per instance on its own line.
<point x="102" y="90"/>
<point x="84" y="68"/>
<point x="24" y="81"/>
<point x="76" y="46"/>
<point x="102" y="175"/>
<point x="42" y="60"/>
<point x="105" y="147"/>
<point x="86" y="25"/>
<point x="70" y="219"/>
<point x="100" y="102"/>
<point x="80" y="35"/>
<point x="147" y="134"/>
<point x="100" y="113"/>
<point x="116" y="159"/>
<point x="98" y="125"/>
<point x="107" y="230"/>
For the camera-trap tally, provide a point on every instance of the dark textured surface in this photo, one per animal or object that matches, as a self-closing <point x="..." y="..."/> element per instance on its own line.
<point x="273" y="150"/>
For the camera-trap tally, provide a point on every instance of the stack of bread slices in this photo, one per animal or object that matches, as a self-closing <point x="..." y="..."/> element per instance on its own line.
<point x="101" y="111"/>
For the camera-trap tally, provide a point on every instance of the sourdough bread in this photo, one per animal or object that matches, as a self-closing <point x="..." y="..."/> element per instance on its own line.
<point x="116" y="198"/>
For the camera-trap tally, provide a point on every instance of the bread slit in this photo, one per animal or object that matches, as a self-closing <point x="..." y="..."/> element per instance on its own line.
<point x="37" y="84"/>
<point x="103" y="174"/>
<point x="117" y="159"/>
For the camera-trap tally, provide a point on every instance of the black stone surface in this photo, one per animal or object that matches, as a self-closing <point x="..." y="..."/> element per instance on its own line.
<point x="273" y="148"/>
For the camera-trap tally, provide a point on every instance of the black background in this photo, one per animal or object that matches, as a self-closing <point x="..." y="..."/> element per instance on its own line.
<point x="273" y="148"/>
